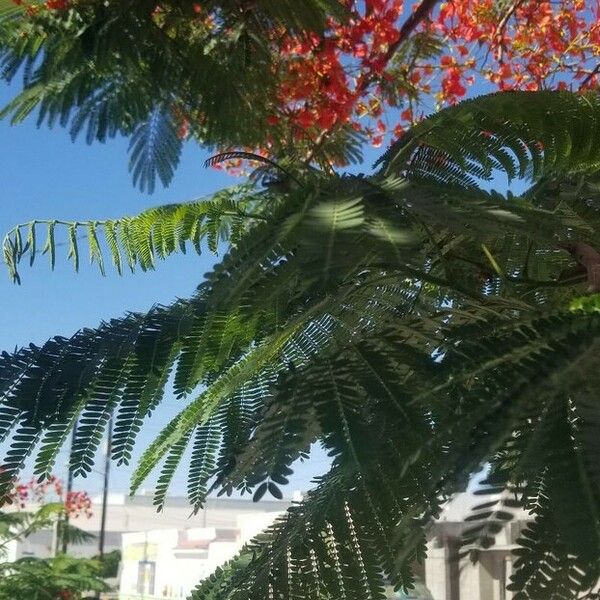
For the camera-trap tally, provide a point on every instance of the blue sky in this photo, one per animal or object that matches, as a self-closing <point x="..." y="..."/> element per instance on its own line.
<point x="44" y="175"/>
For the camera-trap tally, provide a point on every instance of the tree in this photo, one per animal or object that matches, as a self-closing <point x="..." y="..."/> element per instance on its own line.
<point x="60" y="578"/>
<point x="410" y="322"/>
<point x="309" y="81"/>
<point x="109" y="563"/>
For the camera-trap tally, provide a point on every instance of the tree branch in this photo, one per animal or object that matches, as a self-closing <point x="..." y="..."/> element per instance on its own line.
<point x="498" y="35"/>
<point x="589" y="76"/>
<point x="418" y="16"/>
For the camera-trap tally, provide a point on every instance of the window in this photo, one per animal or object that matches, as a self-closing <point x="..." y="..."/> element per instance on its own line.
<point x="146" y="576"/>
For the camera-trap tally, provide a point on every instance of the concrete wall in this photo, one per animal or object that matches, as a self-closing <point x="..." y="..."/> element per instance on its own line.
<point x="449" y="577"/>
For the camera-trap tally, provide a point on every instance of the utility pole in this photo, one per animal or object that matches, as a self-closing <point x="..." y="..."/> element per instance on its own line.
<point x="105" y="492"/>
<point x="64" y="535"/>
<point x="105" y="489"/>
<point x="55" y="541"/>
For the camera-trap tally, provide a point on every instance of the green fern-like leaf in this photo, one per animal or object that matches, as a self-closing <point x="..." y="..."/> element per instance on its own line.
<point x="522" y="134"/>
<point x="155" y="149"/>
<point x="140" y="240"/>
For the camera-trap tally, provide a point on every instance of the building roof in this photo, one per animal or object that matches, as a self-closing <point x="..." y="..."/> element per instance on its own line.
<point x="461" y="506"/>
<point x="137" y="513"/>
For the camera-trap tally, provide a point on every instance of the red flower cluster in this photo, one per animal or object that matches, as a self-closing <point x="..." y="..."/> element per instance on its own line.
<point x="326" y="80"/>
<point x="527" y="44"/>
<point x="33" y="9"/>
<point x="373" y="73"/>
<point x="351" y="74"/>
<point x="76" y="503"/>
<point x="57" y="4"/>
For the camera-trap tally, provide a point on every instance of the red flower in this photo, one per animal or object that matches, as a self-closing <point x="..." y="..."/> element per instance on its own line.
<point x="327" y="117"/>
<point x="398" y="131"/>
<point x="452" y="87"/>
<point x="377" y="141"/>
<point x="360" y="50"/>
<point x="406" y="115"/>
<point x="305" y="119"/>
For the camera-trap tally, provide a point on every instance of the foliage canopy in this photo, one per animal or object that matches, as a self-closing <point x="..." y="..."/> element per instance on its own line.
<point x="412" y="323"/>
<point x="310" y="80"/>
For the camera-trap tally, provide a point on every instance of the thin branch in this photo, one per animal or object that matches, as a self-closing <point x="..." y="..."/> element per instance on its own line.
<point x="537" y="283"/>
<point x="589" y="76"/>
<point x="418" y="16"/>
<point x="499" y="31"/>
<point x="250" y="156"/>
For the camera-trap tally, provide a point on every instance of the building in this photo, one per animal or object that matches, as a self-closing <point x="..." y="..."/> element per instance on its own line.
<point x="126" y="514"/>
<point x="164" y="555"/>
<point x="167" y="564"/>
<point x="450" y="575"/>
<point x="151" y="558"/>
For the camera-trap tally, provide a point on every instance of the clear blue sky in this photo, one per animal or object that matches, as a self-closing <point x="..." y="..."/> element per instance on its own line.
<point x="44" y="175"/>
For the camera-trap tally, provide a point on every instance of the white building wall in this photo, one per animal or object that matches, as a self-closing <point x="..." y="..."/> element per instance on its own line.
<point x="251" y="525"/>
<point x="182" y="558"/>
<point x="12" y="551"/>
<point x="436" y="572"/>
<point x="153" y="547"/>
